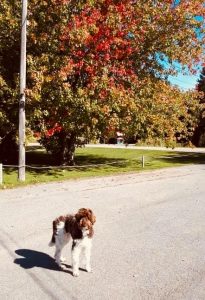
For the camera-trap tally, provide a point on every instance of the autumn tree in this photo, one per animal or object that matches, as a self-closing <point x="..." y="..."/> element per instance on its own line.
<point x="94" y="66"/>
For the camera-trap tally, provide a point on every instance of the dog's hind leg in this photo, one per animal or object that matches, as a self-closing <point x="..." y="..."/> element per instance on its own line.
<point x="58" y="255"/>
<point x="60" y="241"/>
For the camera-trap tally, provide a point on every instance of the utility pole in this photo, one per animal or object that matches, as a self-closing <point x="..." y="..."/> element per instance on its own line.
<point x="22" y="154"/>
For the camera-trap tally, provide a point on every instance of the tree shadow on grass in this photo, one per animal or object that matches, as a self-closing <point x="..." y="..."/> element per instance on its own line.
<point x="183" y="158"/>
<point x="36" y="156"/>
<point x="38" y="159"/>
<point x="91" y="159"/>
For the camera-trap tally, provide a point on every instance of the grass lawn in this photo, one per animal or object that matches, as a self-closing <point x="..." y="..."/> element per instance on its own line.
<point x="96" y="162"/>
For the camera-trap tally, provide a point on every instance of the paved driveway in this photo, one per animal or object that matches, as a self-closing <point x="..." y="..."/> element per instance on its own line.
<point x="134" y="147"/>
<point x="149" y="242"/>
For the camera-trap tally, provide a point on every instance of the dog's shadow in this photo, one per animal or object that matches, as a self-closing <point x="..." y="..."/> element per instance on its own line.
<point x="33" y="258"/>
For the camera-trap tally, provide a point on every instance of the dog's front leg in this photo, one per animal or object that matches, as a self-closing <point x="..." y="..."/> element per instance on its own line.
<point x="87" y="255"/>
<point x="75" y="258"/>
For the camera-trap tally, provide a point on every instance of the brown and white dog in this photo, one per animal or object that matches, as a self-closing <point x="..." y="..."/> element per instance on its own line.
<point x="79" y="227"/>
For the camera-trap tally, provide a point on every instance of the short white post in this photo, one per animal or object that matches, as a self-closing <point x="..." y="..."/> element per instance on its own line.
<point x="1" y="174"/>
<point x="142" y="161"/>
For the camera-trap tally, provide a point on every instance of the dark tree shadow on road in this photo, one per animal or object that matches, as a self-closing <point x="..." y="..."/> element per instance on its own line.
<point x="33" y="258"/>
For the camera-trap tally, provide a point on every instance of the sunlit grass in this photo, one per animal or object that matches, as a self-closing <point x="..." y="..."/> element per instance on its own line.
<point x="96" y="162"/>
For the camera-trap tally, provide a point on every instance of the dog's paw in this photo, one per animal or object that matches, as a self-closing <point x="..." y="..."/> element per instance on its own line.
<point x="88" y="269"/>
<point x="75" y="273"/>
<point x="62" y="259"/>
<point x="63" y="268"/>
<point x="58" y="262"/>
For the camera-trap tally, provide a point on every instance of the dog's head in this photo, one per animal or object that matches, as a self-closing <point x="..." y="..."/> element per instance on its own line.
<point x="85" y="218"/>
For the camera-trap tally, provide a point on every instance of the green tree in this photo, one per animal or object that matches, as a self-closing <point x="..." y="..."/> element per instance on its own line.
<point x="9" y="73"/>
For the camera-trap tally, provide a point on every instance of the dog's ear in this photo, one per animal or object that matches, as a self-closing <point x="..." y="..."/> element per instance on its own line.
<point x="91" y="217"/>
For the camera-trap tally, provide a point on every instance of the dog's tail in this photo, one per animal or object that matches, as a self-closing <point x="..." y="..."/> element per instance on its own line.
<point x="53" y="240"/>
<point x="57" y="223"/>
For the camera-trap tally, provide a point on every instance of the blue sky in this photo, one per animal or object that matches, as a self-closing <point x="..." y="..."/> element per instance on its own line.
<point x="184" y="82"/>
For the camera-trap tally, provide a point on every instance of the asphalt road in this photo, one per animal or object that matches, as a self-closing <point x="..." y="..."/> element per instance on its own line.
<point x="149" y="238"/>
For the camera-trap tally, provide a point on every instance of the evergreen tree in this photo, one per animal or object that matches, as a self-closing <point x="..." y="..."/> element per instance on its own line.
<point x="199" y="134"/>
<point x="201" y="84"/>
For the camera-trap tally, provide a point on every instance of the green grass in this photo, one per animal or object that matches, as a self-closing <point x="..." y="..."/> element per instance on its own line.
<point x="96" y="162"/>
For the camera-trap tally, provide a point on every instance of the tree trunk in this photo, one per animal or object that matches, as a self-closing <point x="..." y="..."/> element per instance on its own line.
<point x="9" y="149"/>
<point x="67" y="149"/>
